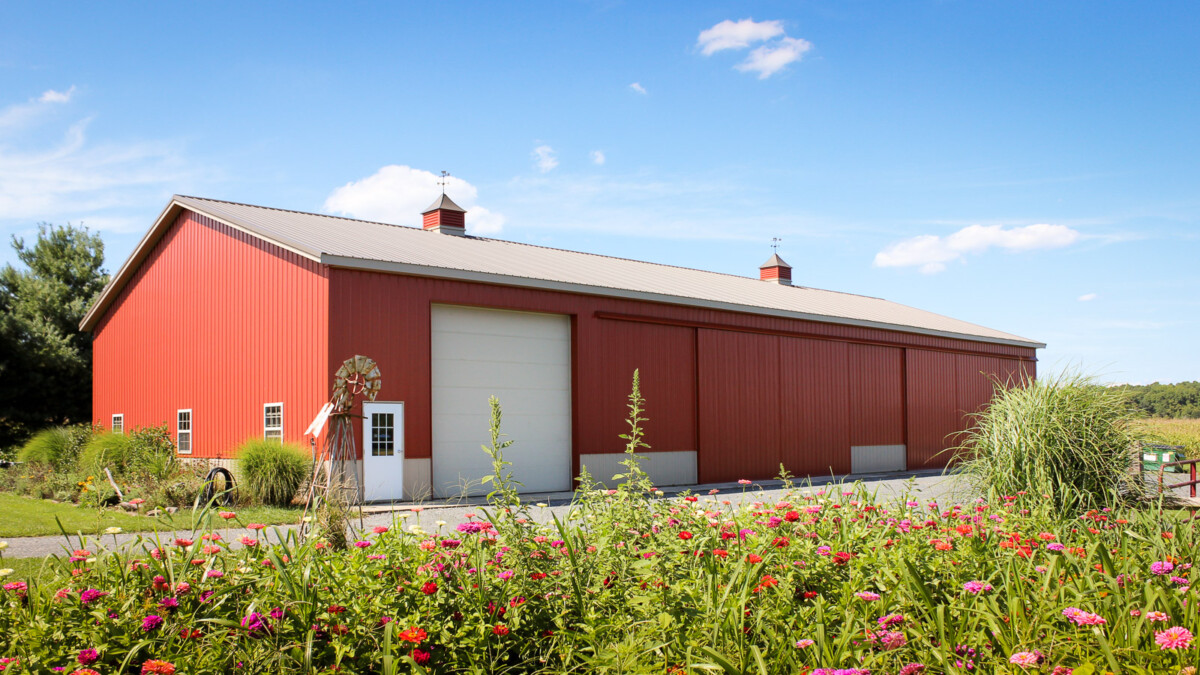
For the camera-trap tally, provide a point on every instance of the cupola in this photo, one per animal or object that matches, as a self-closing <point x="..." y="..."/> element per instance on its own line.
<point x="445" y="216"/>
<point x="776" y="271"/>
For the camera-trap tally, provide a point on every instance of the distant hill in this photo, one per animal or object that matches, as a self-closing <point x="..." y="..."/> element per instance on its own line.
<point x="1166" y="400"/>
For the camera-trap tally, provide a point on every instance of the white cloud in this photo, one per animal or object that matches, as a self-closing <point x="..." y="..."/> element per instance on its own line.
<point x="1088" y="297"/>
<point x="598" y="157"/>
<point x="544" y="158"/>
<point x="637" y="87"/>
<point x="737" y="35"/>
<point x="931" y="253"/>
<point x="766" y="59"/>
<point x="72" y="178"/>
<point x="770" y="59"/>
<point x="397" y="194"/>
<point x="51" y="96"/>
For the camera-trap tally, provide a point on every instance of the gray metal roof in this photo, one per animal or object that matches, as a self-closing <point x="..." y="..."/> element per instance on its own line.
<point x="774" y="261"/>
<point x="444" y="203"/>
<point x="343" y="242"/>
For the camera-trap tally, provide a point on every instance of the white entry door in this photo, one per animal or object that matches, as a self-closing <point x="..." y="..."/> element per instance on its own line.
<point x="383" y="451"/>
<point x="524" y="360"/>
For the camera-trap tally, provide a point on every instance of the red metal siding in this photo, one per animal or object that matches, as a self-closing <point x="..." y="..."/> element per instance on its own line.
<point x="219" y="322"/>
<point x="665" y="357"/>
<point x="387" y="317"/>
<point x="739" y="405"/>
<point x="814" y="400"/>
<point x="933" y="416"/>
<point x="876" y="395"/>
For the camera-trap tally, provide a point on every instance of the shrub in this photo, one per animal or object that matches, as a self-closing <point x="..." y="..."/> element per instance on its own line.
<point x="152" y="452"/>
<point x="46" y="447"/>
<point x="272" y="472"/>
<point x="1065" y="437"/>
<point x="106" y="451"/>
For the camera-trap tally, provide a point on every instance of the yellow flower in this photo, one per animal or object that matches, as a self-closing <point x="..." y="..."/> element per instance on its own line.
<point x="113" y="530"/>
<point x="3" y="545"/>
<point x="6" y="571"/>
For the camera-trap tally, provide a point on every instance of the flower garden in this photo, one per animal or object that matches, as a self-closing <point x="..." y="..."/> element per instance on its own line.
<point x="818" y="581"/>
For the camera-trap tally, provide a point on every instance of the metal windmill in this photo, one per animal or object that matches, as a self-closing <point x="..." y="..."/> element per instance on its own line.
<point x="335" y="468"/>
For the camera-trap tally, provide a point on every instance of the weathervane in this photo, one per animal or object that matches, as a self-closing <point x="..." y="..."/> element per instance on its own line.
<point x="774" y="243"/>
<point x="442" y="182"/>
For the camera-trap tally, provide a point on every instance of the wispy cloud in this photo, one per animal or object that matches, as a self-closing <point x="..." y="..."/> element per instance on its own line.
<point x="737" y="35"/>
<point x="1087" y="297"/>
<point x="51" y="96"/>
<point x="598" y="157"/>
<point x="770" y="59"/>
<point x="544" y="158"/>
<point x="931" y="252"/>
<point x="638" y="88"/>
<point x="767" y="59"/>
<point x="72" y="177"/>
<point x="398" y="194"/>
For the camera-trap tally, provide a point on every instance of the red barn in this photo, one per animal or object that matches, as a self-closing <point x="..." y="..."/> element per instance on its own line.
<point x="228" y="321"/>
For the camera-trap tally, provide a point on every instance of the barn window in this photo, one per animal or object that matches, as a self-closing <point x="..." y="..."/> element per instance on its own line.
<point x="273" y="421"/>
<point x="183" y="436"/>
<point x="383" y="434"/>
<point x="118" y="424"/>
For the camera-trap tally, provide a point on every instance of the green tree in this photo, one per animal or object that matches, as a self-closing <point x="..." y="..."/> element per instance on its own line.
<point x="45" y="360"/>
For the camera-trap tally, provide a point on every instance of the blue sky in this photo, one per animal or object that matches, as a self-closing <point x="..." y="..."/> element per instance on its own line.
<point x="1031" y="167"/>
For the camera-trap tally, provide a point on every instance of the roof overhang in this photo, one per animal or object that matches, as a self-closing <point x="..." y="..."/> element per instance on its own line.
<point x="175" y="207"/>
<point x="608" y="291"/>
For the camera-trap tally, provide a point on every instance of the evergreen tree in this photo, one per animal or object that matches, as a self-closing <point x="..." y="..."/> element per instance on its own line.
<point x="45" y="360"/>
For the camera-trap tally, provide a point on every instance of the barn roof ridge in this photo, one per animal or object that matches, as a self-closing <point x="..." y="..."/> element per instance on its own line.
<point x="532" y="245"/>
<point x="690" y="286"/>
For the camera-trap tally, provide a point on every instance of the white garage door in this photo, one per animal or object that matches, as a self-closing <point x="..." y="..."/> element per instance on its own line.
<point x="524" y="360"/>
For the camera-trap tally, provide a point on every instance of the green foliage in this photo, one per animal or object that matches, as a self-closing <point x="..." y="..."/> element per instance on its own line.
<point x="1064" y="437"/>
<point x="48" y="447"/>
<point x="153" y="453"/>
<point x="45" y="361"/>
<point x="107" y="451"/>
<point x="272" y="472"/>
<point x="786" y="583"/>
<point x="1179" y="400"/>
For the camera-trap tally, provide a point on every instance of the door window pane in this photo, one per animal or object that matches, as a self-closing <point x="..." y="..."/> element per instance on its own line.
<point x="383" y="434"/>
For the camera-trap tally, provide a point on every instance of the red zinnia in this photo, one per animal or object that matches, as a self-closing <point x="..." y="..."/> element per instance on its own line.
<point x="157" y="667"/>
<point x="429" y="588"/>
<point x="500" y="629"/>
<point x="685" y="535"/>
<point x="414" y="635"/>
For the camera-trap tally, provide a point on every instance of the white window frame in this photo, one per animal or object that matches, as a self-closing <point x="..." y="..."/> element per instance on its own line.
<point x="279" y="428"/>
<point x="191" y="431"/>
<point x="118" y="420"/>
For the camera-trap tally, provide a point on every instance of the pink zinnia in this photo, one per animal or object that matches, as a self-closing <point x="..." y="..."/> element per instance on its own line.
<point x="912" y="669"/>
<point x="1156" y="616"/>
<point x="1161" y="567"/>
<point x="893" y="639"/>
<point x="379" y="529"/>
<point x="976" y="587"/>
<point x="867" y="595"/>
<point x="1082" y="618"/>
<point x="1175" y="637"/>
<point x="804" y="644"/>
<point x="256" y="526"/>
<point x="1024" y="659"/>
<point x="362" y="544"/>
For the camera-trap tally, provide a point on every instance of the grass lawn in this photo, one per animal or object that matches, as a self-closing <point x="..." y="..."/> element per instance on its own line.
<point x="26" y="517"/>
<point x="27" y="569"/>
